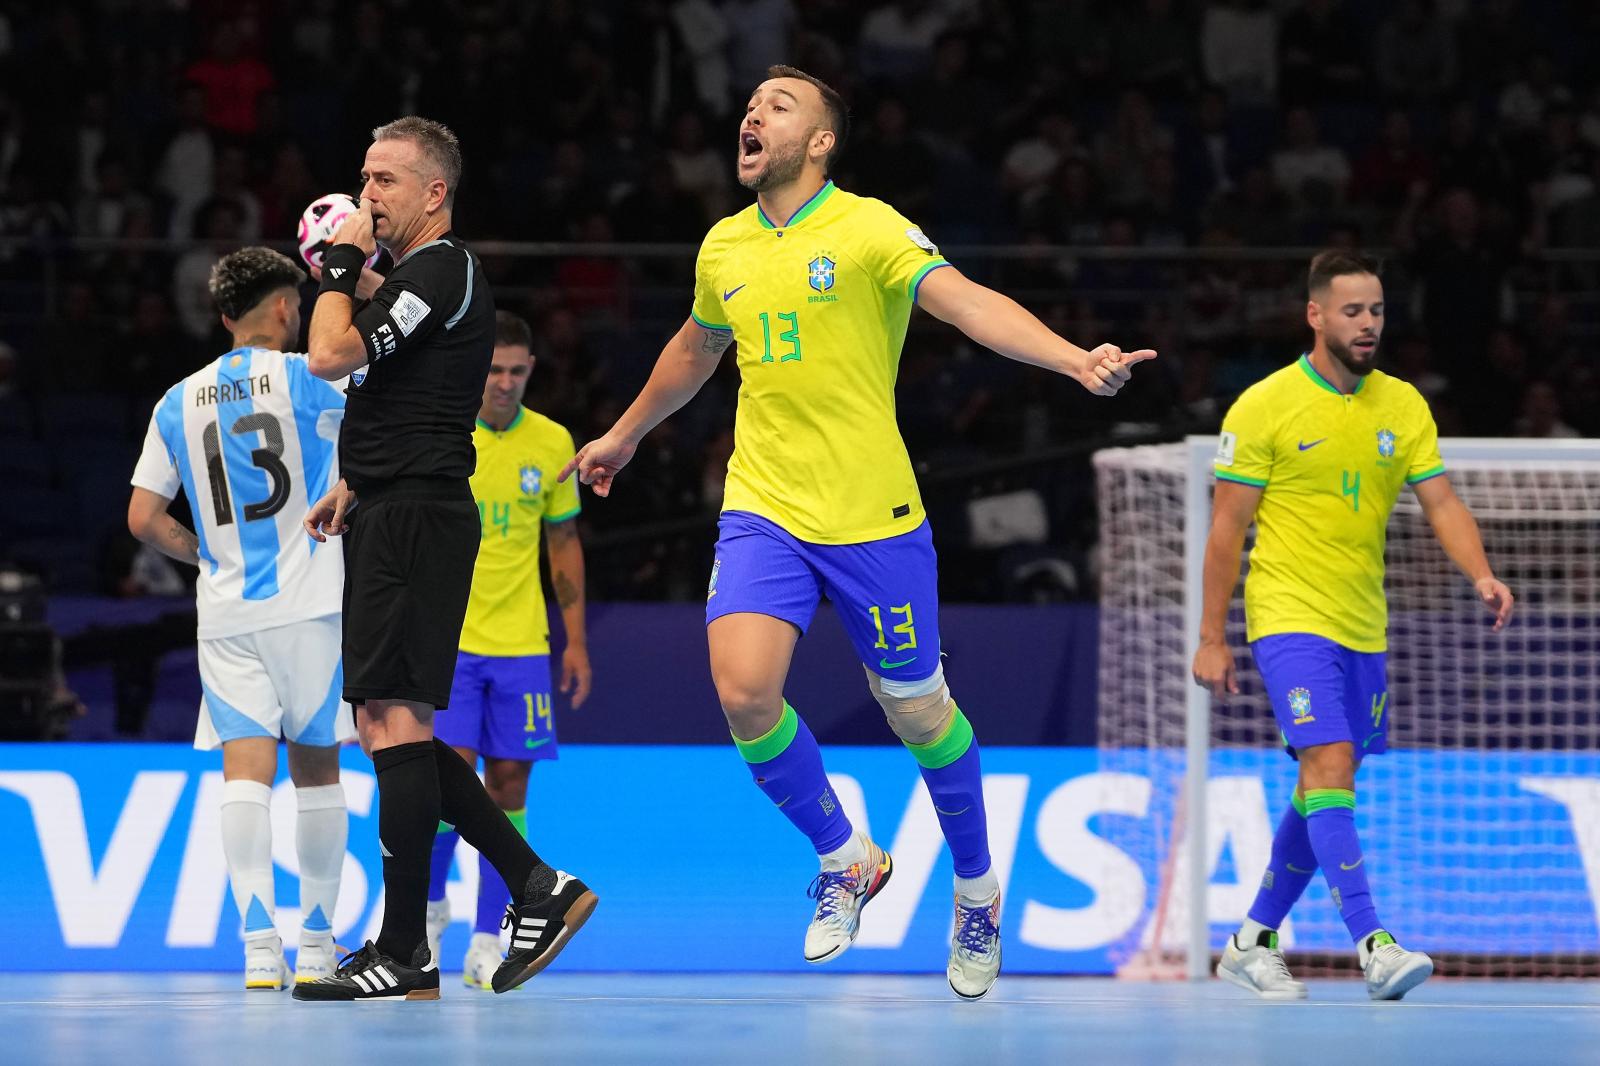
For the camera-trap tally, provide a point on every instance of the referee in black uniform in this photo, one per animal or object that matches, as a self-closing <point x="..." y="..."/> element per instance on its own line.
<point x="416" y="347"/>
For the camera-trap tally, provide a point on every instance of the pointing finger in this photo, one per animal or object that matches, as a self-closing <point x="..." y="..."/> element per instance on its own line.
<point x="1129" y="358"/>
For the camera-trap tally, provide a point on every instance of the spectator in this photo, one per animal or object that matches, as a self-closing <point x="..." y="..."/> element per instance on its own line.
<point x="703" y="33"/>
<point x="1322" y="54"/>
<point x="1305" y="161"/>
<point x="185" y="173"/>
<point x="220" y="225"/>
<point x="1385" y="174"/>
<point x="760" y="35"/>
<point x="897" y="39"/>
<point x="1153" y="47"/>
<point x="1256" y="211"/>
<point x="232" y="82"/>
<point x="1541" y="414"/>
<point x="955" y="103"/>
<point x="1523" y="102"/>
<point x="891" y="164"/>
<point x="1416" y="53"/>
<point x="1239" y="50"/>
<point x="698" y="170"/>
<point x="1124" y="151"/>
<point x="103" y="212"/>
<point x="1028" y="166"/>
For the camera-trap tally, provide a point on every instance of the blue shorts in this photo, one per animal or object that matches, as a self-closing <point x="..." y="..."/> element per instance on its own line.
<point x="886" y="591"/>
<point x="500" y="707"/>
<point x="1323" y="693"/>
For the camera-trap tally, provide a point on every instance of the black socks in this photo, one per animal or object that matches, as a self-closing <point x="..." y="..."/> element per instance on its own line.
<point x="466" y="805"/>
<point x="408" y="817"/>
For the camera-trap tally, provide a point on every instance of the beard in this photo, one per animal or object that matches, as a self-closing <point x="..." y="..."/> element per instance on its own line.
<point x="1359" y="365"/>
<point x="784" y="163"/>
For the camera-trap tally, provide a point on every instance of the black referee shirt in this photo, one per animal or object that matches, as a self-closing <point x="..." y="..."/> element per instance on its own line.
<point x="429" y="334"/>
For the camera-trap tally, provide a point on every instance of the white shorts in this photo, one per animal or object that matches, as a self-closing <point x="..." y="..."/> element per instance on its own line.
<point x="281" y="682"/>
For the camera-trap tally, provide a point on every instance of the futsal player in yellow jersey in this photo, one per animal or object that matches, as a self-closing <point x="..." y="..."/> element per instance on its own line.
<point x="500" y="702"/>
<point x="815" y="285"/>
<point x="1316" y="455"/>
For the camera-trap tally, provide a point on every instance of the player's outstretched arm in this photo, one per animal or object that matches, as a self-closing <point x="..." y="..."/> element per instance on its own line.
<point x="149" y="521"/>
<point x="1458" y="535"/>
<point x="684" y="365"/>
<point x="1233" y="508"/>
<point x="566" y="575"/>
<point x="1000" y="324"/>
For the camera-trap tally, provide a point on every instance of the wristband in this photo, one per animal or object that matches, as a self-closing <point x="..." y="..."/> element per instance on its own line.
<point x="341" y="269"/>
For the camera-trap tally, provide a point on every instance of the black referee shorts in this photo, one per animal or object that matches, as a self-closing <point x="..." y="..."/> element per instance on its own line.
<point x="408" y="561"/>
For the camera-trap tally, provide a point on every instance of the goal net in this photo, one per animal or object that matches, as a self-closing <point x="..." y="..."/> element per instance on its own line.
<point x="1481" y="825"/>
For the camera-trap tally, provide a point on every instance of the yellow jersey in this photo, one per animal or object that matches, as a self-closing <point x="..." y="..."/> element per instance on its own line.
<point x="1330" y="466"/>
<point x="818" y="307"/>
<point x="517" y="492"/>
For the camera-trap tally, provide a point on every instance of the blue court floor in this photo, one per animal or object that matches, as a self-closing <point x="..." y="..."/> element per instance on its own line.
<point x="817" y="1019"/>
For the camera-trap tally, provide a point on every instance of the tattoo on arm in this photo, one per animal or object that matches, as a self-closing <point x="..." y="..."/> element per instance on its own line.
<point x="184" y="541"/>
<point x="567" y="593"/>
<point x="715" y="342"/>
<point x="561" y="532"/>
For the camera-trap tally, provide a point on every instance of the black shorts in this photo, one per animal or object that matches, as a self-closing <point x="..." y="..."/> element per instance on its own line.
<point x="408" y="561"/>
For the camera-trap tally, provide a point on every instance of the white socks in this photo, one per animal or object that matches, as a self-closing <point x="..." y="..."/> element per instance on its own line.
<point x="321" y="832"/>
<point x="1249" y="934"/>
<point x="978" y="891"/>
<point x="247" y="847"/>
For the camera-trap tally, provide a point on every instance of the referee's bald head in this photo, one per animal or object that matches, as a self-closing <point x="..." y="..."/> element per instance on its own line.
<point x="437" y="148"/>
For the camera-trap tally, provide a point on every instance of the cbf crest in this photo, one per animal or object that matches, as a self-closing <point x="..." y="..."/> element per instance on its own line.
<point x="532" y="479"/>
<point x="819" y="272"/>
<point x="1300" y="704"/>
<point x="1386" y="441"/>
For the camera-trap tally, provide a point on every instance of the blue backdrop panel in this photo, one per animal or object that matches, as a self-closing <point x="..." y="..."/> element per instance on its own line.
<point x="110" y="856"/>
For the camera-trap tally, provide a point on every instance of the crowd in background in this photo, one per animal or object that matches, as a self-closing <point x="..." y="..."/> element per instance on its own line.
<point x="1462" y="134"/>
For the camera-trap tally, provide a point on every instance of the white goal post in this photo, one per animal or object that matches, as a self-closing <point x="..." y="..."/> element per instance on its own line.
<point x="1458" y="689"/>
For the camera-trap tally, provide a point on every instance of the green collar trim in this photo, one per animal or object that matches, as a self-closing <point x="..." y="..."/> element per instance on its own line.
<point x="1322" y="382"/>
<point x="807" y="209"/>
<point x="516" y="420"/>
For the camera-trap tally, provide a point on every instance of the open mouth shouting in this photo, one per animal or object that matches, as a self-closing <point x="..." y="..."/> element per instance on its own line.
<point x="751" y="150"/>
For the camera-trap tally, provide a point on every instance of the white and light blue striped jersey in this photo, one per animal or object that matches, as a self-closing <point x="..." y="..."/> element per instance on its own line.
<point x="252" y="438"/>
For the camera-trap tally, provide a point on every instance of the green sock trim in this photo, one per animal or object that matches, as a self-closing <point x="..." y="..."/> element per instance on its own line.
<point x="519" y="818"/>
<point x="1379" y="938"/>
<point x="948" y="746"/>
<point x="445" y="827"/>
<point x="1298" y="802"/>
<point x="772" y="743"/>
<point x="1324" y="799"/>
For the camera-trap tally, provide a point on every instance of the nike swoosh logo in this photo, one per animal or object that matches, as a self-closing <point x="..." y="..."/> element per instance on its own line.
<point x="537" y="743"/>
<point x="730" y="293"/>
<point x="1307" y="447"/>
<point x="785" y="799"/>
<point x="1296" y="870"/>
<point x="952" y="814"/>
<point x="885" y="664"/>
<point x="1353" y="865"/>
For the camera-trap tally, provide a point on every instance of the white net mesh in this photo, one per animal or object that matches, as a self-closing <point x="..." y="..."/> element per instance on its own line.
<point x="1482" y="823"/>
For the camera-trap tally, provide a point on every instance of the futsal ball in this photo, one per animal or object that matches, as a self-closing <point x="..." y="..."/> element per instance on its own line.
<point x="318" y="223"/>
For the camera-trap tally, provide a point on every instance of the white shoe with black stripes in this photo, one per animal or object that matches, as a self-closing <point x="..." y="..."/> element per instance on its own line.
<point x="369" y="974"/>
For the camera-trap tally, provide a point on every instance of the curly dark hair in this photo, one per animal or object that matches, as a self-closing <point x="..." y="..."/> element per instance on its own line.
<point x="241" y="280"/>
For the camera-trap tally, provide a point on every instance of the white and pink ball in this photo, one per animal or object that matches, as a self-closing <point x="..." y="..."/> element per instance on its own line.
<point x="318" y="223"/>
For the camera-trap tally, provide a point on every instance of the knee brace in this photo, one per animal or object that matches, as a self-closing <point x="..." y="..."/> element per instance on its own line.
<point x="919" y="712"/>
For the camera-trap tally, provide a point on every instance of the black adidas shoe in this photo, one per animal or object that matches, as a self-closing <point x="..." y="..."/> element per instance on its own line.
<point x="370" y="974"/>
<point x="540" y="928"/>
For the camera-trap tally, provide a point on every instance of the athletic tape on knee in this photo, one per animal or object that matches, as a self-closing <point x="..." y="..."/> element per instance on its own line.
<point x="247" y="791"/>
<point x="320" y="797"/>
<point x="919" y="718"/>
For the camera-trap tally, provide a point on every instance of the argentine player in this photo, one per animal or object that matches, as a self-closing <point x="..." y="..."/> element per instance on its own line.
<point x="251" y="438"/>
<point x="816" y="286"/>
<point x="1316" y="455"/>
<point x="500" y="702"/>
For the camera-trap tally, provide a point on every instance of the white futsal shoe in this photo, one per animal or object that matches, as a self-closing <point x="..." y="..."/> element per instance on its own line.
<point x="1259" y="968"/>
<point x="974" y="948"/>
<point x="438" y="921"/>
<point x="316" y="959"/>
<point x="264" y="965"/>
<point x="483" y="959"/>
<point x="1391" y="970"/>
<point x="841" y="891"/>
